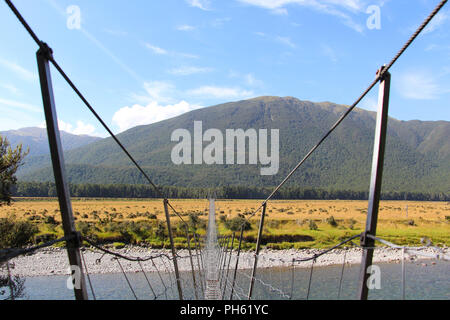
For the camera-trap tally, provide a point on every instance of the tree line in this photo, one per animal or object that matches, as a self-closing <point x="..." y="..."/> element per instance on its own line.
<point x="48" y="189"/>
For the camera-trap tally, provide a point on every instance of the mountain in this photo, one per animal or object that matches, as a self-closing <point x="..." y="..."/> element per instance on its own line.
<point x="417" y="154"/>
<point x="36" y="140"/>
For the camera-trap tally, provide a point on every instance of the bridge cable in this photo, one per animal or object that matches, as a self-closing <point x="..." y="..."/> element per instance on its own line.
<point x="126" y="278"/>
<point x="358" y="100"/>
<point x="310" y="278"/>
<point x="160" y="277"/>
<point x="87" y="274"/>
<point x="146" y="278"/>
<point x="342" y="274"/>
<point x="292" y="279"/>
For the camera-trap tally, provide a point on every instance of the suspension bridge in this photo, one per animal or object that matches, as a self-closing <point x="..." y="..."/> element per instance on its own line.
<point x="217" y="271"/>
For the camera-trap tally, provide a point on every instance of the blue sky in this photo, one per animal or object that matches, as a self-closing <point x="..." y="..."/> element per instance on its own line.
<point x="143" y="61"/>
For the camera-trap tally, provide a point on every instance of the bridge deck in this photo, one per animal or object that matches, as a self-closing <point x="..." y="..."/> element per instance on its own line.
<point x="212" y="291"/>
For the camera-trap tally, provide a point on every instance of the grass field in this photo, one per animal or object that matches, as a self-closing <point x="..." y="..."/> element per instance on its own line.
<point x="289" y="223"/>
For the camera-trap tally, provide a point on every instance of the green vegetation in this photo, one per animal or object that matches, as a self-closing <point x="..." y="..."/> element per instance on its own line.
<point x="10" y="160"/>
<point x="121" y="191"/>
<point x="15" y="234"/>
<point x="301" y="223"/>
<point x="312" y="225"/>
<point x="331" y="221"/>
<point x="278" y="234"/>
<point x="237" y="223"/>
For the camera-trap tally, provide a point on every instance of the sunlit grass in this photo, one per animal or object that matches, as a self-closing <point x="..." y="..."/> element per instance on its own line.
<point x="402" y="222"/>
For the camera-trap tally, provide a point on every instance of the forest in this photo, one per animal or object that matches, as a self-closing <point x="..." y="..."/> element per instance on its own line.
<point x="48" y="189"/>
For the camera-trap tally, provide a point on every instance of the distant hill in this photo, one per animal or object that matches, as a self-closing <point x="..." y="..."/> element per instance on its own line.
<point x="36" y="140"/>
<point x="417" y="156"/>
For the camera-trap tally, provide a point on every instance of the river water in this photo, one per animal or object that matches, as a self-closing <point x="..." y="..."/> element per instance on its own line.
<point x="424" y="280"/>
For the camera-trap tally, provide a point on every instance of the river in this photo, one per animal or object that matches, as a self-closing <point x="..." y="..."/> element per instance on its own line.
<point x="424" y="280"/>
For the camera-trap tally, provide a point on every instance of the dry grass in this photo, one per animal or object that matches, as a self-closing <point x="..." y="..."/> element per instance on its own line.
<point x="401" y="221"/>
<point x="93" y="209"/>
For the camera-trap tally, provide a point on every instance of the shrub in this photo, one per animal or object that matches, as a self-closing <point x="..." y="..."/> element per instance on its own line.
<point x="126" y="236"/>
<point x="14" y="234"/>
<point x="273" y="224"/>
<point x="236" y="223"/>
<point x="312" y="225"/>
<point x="141" y="229"/>
<point x="352" y="224"/>
<point x="85" y="228"/>
<point x="50" y="220"/>
<point x="411" y="223"/>
<point x="118" y="245"/>
<point x="45" y="237"/>
<point x="194" y="220"/>
<point x="156" y="244"/>
<point x="331" y="221"/>
<point x="280" y="246"/>
<point x="160" y="230"/>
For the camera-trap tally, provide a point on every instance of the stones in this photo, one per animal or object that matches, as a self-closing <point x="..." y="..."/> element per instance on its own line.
<point x="53" y="261"/>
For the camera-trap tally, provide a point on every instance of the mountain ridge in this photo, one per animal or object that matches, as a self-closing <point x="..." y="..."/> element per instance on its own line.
<point x="417" y="156"/>
<point x="36" y="139"/>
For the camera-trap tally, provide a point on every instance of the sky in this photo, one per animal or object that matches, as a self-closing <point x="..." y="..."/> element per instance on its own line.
<point x="141" y="61"/>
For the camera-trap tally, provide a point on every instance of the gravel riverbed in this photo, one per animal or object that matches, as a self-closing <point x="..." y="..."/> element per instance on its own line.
<point x="54" y="261"/>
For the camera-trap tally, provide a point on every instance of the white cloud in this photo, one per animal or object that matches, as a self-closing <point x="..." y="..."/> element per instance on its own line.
<point x="338" y="8"/>
<point x="18" y="70"/>
<point x="220" y="92"/>
<point x="280" y="39"/>
<point x="248" y="78"/>
<point x="201" y="4"/>
<point x="251" y="80"/>
<point x="219" y="22"/>
<point x="419" y="85"/>
<point x="21" y="105"/>
<point x="161" y="51"/>
<point x="80" y="129"/>
<point x="329" y="52"/>
<point x="186" y="55"/>
<point x="286" y="41"/>
<point x="431" y="47"/>
<point x="351" y="5"/>
<point x="369" y="103"/>
<point x="188" y="70"/>
<point x="160" y="91"/>
<point x="160" y="102"/>
<point x="156" y="49"/>
<point x="117" y="33"/>
<point x="11" y="88"/>
<point x="437" y="21"/>
<point x="129" y="117"/>
<point x="185" y="27"/>
<point x="280" y="11"/>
